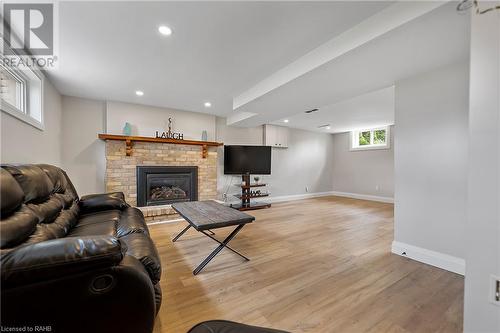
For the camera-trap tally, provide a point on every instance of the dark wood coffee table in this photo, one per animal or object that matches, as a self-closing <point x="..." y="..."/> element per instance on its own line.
<point x="204" y="216"/>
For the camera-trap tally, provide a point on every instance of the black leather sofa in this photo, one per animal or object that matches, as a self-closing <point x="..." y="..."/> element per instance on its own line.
<point x="73" y="264"/>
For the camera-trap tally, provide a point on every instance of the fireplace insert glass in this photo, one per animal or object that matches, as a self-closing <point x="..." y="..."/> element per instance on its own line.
<point x="159" y="185"/>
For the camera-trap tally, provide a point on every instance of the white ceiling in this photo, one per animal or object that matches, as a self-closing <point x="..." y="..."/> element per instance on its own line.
<point x="226" y="52"/>
<point x="217" y="49"/>
<point x="380" y="23"/>
<point x="436" y="39"/>
<point x="374" y="109"/>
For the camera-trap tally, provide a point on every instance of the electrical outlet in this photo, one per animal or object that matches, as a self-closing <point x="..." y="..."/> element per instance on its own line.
<point x="377" y="188"/>
<point x="495" y="289"/>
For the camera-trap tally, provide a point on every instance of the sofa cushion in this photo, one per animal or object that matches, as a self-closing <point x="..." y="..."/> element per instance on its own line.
<point x="60" y="181"/>
<point x="141" y="247"/>
<point x="97" y="223"/>
<point x="48" y="210"/>
<point x="105" y="201"/>
<point x="131" y="221"/>
<point x="35" y="183"/>
<point x="11" y="195"/>
<point x="101" y="228"/>
<point x="99" y="217"/>
<point x="17" y="228"/>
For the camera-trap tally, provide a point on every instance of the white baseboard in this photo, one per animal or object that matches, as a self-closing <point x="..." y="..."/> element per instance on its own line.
<point x="165" y="222"/>
<point x="330" y="193"/>
<point x="293" y="197"/>
<point x="363" y="196"/>
<point x="433" y="258"/>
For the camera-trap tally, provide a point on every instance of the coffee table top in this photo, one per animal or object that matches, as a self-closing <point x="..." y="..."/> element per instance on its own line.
<point x="203" y="215"/>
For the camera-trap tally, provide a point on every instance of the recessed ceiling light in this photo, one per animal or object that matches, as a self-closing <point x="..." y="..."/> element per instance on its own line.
<point x="139" y="93"/>
<point x="164" y="30"/>
<point x="286" y="120"/>
<point x="207" y="104"/>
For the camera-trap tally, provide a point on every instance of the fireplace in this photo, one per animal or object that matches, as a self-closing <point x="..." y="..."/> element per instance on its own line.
<point x="163" y="185"/>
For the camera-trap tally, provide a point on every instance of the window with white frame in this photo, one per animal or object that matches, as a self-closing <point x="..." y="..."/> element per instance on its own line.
<point x="21" y="94"/>
<point x="12" y="89"/>
<point x="375" y="138"/>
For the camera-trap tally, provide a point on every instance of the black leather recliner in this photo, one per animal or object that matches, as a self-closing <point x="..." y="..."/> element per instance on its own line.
<point x="225" y="326"/>
<point x="73" y="264"/>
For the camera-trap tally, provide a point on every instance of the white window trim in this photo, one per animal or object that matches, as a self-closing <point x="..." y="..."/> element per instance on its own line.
<point x="18" y="76"/>
<point x="354" y="135"/>
<point x="24" y="115"/>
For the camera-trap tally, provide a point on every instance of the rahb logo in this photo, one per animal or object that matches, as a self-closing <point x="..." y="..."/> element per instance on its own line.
<point x="28" y="31"/>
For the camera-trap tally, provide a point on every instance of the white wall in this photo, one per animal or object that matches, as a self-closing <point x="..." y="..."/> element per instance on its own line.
<point x="306" y="162"/>
<point x="146" y="120"/>
<point x="483" y="224"/>
<point x="361" y="172"/>
<point x="82" y="152"/>
<point x="23" y="143"/>
<point x="430" y="155"/>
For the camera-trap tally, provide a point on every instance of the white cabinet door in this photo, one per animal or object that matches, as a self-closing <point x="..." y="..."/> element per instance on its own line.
<point x="270" y="136"/>
<point x="283" y="137"/>
<point x="275" y="136"/>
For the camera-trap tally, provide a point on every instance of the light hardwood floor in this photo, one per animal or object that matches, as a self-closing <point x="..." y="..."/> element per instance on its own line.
<point x="317" y="265"/>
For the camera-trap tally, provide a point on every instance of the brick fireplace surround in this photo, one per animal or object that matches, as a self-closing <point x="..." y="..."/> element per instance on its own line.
<point x="121" y="171"/>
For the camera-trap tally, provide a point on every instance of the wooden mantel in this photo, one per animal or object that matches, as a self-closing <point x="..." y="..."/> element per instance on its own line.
<point x="130" y="139"/>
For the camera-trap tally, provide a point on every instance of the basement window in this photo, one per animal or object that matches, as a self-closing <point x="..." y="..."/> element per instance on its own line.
<point x="367" y="139"/>
<point x="21" y="95"/>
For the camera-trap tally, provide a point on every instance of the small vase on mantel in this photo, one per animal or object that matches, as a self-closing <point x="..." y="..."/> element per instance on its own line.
<point x="204" y="136"/>
<point x="127" y="129"/>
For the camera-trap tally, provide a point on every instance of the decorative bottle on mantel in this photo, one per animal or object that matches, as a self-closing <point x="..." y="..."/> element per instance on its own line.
<point x="204" y="136"/>
<point x="127" y="129"/>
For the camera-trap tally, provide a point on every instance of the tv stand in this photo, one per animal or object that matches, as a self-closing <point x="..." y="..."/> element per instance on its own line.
<point x="246" y="195"/>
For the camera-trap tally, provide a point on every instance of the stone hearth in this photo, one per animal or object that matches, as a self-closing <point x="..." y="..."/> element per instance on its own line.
<point x="121" y="171"/>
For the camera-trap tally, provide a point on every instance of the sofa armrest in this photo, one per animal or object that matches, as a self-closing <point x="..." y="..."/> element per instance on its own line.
<point x="71" y="303"/>
<point x="59" y="257"/>
<point x="105" y="201"/>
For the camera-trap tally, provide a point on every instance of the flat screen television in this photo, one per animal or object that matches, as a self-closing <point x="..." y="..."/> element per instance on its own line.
<point x="239" y="160"/>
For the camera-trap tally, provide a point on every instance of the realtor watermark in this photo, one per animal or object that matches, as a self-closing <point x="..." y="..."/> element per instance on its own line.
<point x="29" y="34"/>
